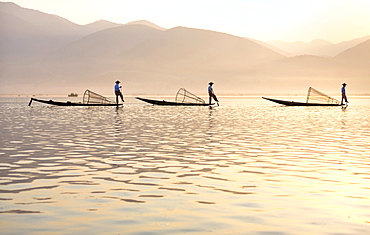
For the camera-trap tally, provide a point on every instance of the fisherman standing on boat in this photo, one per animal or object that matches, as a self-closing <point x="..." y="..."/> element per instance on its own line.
<point x="344" y="96"/>
<point x="211" y="93"/>
<point x="117" y="91"/>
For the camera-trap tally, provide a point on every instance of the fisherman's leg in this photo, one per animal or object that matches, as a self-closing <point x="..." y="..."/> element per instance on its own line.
<point x="116" y="99"/>
<point x="210" y="99"/>
<point x="215" y="98"/>
<point x="121" y="97"/>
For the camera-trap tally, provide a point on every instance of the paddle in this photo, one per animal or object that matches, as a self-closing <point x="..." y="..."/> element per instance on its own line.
<point x="29" y="104"/>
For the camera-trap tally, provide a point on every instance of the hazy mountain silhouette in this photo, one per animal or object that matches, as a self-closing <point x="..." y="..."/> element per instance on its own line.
<point x="27" y="32"/>
<point x="270" y="46"/>
<point x="146" y="23"/>
<point x="106" y="44"/>
<point x="18" y="37"/>
<point x="358" y="56"/>
<point x="99" y="25"/>
<point x="43" y="53"/>
<point x="51" y="24"/>
<point x="183" y="48"/>
<point x="316" y="47"/>
<point x="357" y="62"/>
<point x="30" y="32"/>
<point x="141" y="52"/>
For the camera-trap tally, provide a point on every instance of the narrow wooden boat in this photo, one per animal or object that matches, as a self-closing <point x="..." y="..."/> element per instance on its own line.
<point x="90" y="98"/>
<point x="314" y="98"/>
<point x="171" y="103"/>
<point x="294" y="103"/>
<point x="68" y="103"/>
<point x="183" y="98"/>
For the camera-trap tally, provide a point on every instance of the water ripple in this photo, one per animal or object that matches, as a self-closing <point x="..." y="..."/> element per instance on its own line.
<point x="243" y="167"/>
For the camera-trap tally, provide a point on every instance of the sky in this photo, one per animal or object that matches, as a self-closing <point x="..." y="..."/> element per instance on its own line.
<point x="287" y="20"/>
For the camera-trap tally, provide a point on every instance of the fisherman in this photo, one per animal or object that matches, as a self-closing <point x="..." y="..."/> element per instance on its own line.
<point x="211" y="93"/>
<point x="117" y="91"/>
<point x="344" y="96"/>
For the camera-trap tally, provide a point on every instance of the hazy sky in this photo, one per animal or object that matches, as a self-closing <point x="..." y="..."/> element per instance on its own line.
<point x="289" y="20"/>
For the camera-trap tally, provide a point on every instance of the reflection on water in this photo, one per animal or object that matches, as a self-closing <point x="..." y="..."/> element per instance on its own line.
<point x="248" y="166"/>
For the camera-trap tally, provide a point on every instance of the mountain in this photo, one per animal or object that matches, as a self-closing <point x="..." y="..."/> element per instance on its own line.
<point x="27" y="32"/>
<point x="183" y="48"/>
<point x="357" y="61"/>
<point x="43" y="53"/>
<point x="316" y="47"/>
<point x="358" y="56"/>
<point x="99" y="25"/>
<point x="324" y="73"/>
<point x="105" y="44"/>
<point x="342" y="46"/>
<point x="138" y="54"/>
<point x="274" y="48"/>
<point x="50" y="24"/>
<point x="18" y="37"/>
<point x="146" y="23"/>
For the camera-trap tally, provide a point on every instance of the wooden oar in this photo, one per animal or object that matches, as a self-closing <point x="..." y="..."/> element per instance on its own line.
<point x="29" y="104"/>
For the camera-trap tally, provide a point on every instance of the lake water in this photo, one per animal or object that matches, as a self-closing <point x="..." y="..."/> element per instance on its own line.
<point x="246" y="167"/>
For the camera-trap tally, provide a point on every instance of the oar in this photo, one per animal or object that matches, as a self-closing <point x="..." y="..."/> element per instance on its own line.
<point x="29" y="104"/>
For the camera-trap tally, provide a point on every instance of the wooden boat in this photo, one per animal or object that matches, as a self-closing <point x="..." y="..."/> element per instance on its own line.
<point x="68" y="103"/>
<point x="294" y="103"/>
<point x="89" y="99"/>
<point x="314" y="98"/>
<point x="183" y="98"/>
<point x="73" y="95"/>
<point x="171" y="103"/>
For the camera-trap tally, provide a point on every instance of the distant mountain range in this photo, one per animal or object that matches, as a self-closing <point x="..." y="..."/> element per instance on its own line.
<point x="316" y="47"/>
<point x="46" y="54"/>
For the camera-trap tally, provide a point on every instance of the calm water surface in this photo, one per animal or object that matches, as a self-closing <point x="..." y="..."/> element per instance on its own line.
<point x="246" y="167"/>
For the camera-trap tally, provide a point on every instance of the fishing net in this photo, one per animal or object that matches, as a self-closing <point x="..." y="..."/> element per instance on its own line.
<point x="94" y="98"/>
<point x="315" y="96"/>
<point x="184" y="96"/>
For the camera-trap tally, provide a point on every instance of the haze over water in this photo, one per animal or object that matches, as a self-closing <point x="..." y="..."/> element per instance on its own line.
<point x="248" y="166"/>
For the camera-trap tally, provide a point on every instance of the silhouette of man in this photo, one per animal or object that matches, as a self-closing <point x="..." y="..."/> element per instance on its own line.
<point x="211" y="93"/>
<point x="117" y="91"/>
<point x="344" y="96"/>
